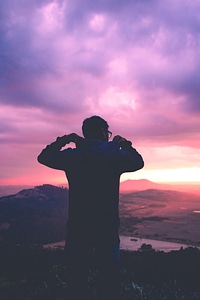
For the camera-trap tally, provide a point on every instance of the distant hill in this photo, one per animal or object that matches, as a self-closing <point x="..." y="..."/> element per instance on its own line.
<point x="144" y="184"/>
<point x="6" y="190"/>
<point x="138" y="185"/>
<point x="34" y="216"/>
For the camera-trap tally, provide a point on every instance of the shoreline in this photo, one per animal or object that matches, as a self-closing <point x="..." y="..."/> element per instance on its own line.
<point x="127" y="242"/>
<point x="167" y="239"/>
<point x="135" y="244"/>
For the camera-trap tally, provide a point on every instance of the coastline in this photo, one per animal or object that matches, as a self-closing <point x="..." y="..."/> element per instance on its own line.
<point x="168" y="239"/>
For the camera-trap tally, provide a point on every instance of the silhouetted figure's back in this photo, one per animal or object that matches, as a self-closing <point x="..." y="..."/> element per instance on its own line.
<point x="93" y="171"/>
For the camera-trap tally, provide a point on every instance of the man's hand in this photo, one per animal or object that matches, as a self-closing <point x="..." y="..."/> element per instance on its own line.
<point x="122" y="141"/>
<point x="70" y="138"/>
<point x="118" y="139"/>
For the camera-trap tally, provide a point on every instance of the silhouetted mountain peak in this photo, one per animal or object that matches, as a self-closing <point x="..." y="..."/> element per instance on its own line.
<point x="144" y="184"/>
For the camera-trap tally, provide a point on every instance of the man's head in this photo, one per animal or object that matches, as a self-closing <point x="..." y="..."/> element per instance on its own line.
<point x="96" y="128"/>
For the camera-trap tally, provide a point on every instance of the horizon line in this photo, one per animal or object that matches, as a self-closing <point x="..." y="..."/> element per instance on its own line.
<point x="142" y="179"/>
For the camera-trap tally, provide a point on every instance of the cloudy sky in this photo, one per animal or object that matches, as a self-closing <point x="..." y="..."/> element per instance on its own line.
<point x="136" y="63"/>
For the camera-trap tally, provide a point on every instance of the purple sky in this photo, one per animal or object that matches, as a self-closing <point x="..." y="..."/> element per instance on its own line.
<point x="136" y="63"/>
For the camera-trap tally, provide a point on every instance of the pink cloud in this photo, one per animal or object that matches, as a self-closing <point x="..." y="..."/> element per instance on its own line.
<point x="133" y="63"/>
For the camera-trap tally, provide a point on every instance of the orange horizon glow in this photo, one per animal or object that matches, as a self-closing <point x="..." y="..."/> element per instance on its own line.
<point x="176" y="176"/>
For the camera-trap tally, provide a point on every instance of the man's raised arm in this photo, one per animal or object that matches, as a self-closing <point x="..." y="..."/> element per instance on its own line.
<point x="130" y="160"/>
<point x="52" y="156"/>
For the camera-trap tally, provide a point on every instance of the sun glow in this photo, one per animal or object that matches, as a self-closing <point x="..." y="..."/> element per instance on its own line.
<point x="189" y="175"/>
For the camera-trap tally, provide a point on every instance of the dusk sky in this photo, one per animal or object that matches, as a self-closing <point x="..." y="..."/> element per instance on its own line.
<point x="135" y="63"/>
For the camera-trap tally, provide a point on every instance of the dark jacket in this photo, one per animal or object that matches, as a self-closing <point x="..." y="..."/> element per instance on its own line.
<point x="93" y="171"/>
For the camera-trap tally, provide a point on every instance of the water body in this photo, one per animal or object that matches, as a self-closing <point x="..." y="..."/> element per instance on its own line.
<point x="134" y="243"/>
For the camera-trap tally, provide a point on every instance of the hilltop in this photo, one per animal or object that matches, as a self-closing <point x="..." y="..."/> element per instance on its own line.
<point x="34" y="216"/>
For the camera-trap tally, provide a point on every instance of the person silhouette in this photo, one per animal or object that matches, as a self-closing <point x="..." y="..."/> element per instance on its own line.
<point x="93" y="170"/>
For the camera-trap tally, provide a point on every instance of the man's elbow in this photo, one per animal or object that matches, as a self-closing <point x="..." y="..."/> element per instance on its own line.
<point x="41" y="159"/>
<point x="140" y="164"/>
<point x="47" y="160"/>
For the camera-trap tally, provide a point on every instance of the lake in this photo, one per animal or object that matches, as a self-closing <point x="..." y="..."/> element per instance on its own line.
<point x="134" y="243"/>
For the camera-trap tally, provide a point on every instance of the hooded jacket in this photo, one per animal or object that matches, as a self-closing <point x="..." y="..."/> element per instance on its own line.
<point x="93" y="171"/>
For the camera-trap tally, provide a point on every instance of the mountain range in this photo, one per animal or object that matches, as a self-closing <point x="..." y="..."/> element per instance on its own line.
<point x="125" y="186"/>
<point x="38" y="216"/>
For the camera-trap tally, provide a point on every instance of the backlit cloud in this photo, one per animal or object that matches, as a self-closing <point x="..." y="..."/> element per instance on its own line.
<point x="135" y="63"/>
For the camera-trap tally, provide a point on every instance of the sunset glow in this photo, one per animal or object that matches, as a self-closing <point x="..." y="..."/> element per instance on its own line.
<point x="190" y="175"/>
<point x="134" y="63"/>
